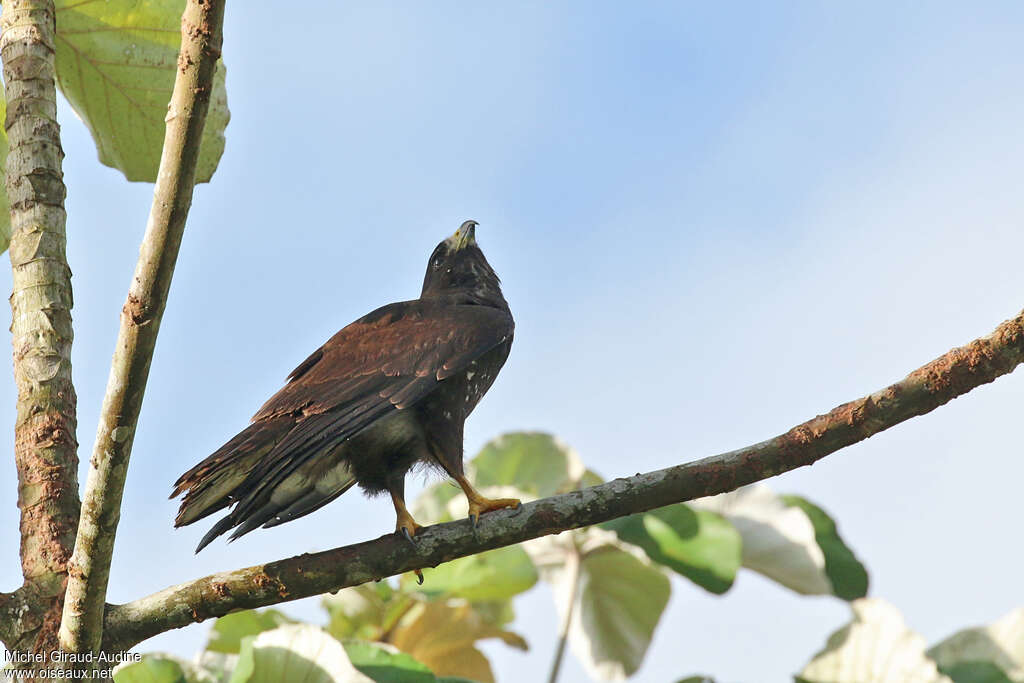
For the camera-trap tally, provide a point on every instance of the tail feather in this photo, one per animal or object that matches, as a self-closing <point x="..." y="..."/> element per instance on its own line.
<point x="231" y="476"/>
<point x="213" y="484"/>
<point x="322" y="479"/>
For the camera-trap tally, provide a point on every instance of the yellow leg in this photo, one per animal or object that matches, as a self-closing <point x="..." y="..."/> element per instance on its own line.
<point x="406" y="526"/>
<point x="478" y="504"/>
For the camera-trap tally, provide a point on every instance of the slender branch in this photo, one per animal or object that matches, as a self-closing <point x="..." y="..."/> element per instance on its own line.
<point x="575" y="564"/>
<point x="45" y="449"/>
<point x="81" y="626"/>
<point x="923" y="390"/>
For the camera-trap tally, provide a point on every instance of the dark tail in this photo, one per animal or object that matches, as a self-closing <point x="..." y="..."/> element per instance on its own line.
<point x="211" y="485"/>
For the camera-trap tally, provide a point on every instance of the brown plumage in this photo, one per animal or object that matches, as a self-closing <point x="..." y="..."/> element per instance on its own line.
<point x="390" y="390"/>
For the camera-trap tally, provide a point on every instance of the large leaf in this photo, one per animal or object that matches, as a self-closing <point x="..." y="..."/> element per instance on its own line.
<point x="989" y="654"/>
<point x="157" y="667"/>
<point x="367" y="611"/>
<point x="618" y="601"/>
<point x="976" y="672"/>
<point x="495" y="575"/>
<point x="845" y="572"/>
<point x="781" y="541"/>
<point x="228" y="631"/>
<point x="116" y="63"/>
<point x="153" y="668"/>
<point x="876" y="647"/>
<point x="295" y="652"/>
<point x="699" y="544"/>
<point x="536" y="463"/>
<point x="443" y="635"/>
<point x="386" y="664"/>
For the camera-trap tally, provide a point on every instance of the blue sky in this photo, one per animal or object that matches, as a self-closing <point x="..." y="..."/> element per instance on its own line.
<point x="712" y="222"/>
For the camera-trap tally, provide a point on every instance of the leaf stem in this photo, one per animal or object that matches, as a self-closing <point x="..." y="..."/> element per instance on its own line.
<point x="574" y="567"/>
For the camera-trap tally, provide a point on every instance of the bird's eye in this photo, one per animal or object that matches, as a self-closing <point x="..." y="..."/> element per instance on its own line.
<point x="438" y="263"/>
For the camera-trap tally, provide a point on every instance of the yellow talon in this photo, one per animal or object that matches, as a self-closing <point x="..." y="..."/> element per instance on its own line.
<point x="406" y="526"/>
<point x="478" y="504"/>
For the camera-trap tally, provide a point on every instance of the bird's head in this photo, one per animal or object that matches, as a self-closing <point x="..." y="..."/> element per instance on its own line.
<point x="458" y="269"/>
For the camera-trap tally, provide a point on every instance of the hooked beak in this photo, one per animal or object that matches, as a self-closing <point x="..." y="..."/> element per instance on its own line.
<point x="464" y="236"/>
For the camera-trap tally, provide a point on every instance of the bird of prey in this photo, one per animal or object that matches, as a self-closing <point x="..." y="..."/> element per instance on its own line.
<point x="391" y="390"/>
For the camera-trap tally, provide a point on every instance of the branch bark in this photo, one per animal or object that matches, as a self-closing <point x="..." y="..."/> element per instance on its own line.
<point x="201" y="28"/>
<point x="923" y="390"/>
<point x="45" y="449"/>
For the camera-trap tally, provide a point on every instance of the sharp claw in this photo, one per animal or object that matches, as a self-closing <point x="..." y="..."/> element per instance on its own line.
<point x="475" y="519"/>
<point x="419" y="577"/>
<point x="408" y="536"/>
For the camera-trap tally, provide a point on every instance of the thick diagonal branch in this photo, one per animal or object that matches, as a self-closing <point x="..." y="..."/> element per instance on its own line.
<point x="81" y="626"/>
<point x="45" y="449"/>
<point x="923" y="390"/>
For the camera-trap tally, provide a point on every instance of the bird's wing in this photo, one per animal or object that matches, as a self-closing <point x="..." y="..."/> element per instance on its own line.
<point x="388" y="360"/>
<point x="374" y="361"/>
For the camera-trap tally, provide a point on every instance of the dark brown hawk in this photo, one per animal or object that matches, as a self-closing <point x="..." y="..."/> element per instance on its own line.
<point x="388" y="391"/>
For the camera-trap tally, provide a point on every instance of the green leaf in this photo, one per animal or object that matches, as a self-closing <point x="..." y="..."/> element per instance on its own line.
<point x="154" y="668"/>
<point x="158" y="667"/>
<point x="228" y="631"/>
<point x="618" y="601"/>
<point x="696" y="679"/>
<point x="848" y="576"/>
<point x="497" y="613"/>
<point x="5" y="205"/>
<point x="386" y="665"/>
<point x="978" y="654"/>
<point x="779" y="540"/>
<point x="367" y="611"/>
<point x="876" y="647"/>
<point x="976" y="672"/>
<point x="536" y="463"/>
<point x="116" y="63"/>
<point x="490" y="576"/>
<point x="699" y="544"/>
<point x="294" y="652"/>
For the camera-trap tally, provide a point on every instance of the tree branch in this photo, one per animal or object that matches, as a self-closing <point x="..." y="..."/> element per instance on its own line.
<point x="201" y="26"/>
<point x="923" y="390"/>
<point x="45" y="449"/>
<point x="18" y="615"/>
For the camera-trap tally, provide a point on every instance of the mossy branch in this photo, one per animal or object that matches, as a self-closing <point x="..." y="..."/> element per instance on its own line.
<point x="81" y="625"/>
<point x="923" y="390"/>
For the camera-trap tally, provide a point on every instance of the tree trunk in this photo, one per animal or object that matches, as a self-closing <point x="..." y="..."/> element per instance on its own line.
<point x="44" y="442"/>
